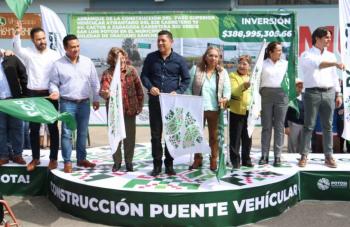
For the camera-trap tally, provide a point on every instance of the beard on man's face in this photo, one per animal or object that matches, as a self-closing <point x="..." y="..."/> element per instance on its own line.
<point x="41" y="46"/>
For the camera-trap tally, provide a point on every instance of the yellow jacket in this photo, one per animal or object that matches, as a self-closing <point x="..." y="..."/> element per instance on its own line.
<point x="240" y="98"/>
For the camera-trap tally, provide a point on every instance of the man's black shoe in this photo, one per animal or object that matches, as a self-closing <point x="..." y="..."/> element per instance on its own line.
<point x="263" y="161"/>
<point x="116" y="167"/>
<point x="236" y="166"/>
<point x="277" y="162"/>
<point x="156" y="171"/>
<point x="248" y="163"/>
<point x="129" y="167"/>
<point x="170" y="170"/>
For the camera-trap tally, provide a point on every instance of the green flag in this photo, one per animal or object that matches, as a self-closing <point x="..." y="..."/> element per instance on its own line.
<point x="221" y="138"/>
<point x="37" y="110"/>
<point x="19" y="7"/>
<point x="288" y="82"/>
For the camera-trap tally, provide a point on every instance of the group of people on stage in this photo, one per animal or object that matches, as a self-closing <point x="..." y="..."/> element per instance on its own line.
<point x="322" y="95"/>
<point x="69" y="82"/>
<point x="44" y="73"/>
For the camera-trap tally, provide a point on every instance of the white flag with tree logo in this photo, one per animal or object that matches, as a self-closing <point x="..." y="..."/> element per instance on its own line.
<point x="182" y="117"/>
<point x="116" y="126"/>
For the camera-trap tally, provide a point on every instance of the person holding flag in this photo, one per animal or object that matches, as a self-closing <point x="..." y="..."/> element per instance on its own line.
<point x="132" y="96"/>
<point x="211" y="81"/>
<point x="72" y="77"/>
<point x="274" y="102"/>
<point x="322" y="93"/>
<point x="239" y="103"/>
<point x="163" y="71"/>
<point x="38" y="61"/>
<point x="13" y="84"/>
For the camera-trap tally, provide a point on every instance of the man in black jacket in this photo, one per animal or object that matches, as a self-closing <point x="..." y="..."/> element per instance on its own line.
<point x="13" y="84"/>
<point x="164" y="71"/>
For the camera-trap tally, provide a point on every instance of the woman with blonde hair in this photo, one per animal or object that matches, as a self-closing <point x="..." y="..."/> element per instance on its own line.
<point x="210" y="80"/>
<point x="132" y="96"/>
<point x="240" y="100"/>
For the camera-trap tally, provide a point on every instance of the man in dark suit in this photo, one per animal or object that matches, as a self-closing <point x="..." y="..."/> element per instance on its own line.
<point x="13" y="84"/>
<point x="164" y="71"/>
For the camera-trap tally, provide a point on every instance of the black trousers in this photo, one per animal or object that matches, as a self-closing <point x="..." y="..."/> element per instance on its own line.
<point x="35" y="130"/>
<point x="238" y="133"/>
<point x="155" y="119"/>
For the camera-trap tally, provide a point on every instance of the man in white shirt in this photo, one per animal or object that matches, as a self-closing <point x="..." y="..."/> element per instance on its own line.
<point x="38" y="61"/>
<point x="322" y="93"/>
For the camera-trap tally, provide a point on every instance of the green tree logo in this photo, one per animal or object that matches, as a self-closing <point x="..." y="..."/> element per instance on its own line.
<point x="229" y="22"/>
<point x="2" y="21"/>
<point x="176" y="122"/>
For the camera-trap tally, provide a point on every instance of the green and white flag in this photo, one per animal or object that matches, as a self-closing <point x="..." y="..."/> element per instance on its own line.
<point x="288" y="82"/>
<point x="182" y="117"/>
<point x="255" y="103"/>
<point x="37" y="110"/>
<point x="19" y="7"/>
<point x="116" y="125"/>
<point x="221" y="138"/>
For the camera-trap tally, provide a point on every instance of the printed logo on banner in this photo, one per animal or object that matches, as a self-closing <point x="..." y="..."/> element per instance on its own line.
<point x="325" y="184"/>
<point x="252" y="27"/>
<point x="53" y="40"/>
<point x="2" y="21"/>
<point x="14" y="179"/>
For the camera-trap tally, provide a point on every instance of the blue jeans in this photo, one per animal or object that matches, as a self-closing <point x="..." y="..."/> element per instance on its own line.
<point x="81" y="113"/>
<point x="11" y="130"/>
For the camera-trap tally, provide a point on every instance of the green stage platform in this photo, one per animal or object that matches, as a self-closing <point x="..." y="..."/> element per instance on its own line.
<point x="191" y="198"/>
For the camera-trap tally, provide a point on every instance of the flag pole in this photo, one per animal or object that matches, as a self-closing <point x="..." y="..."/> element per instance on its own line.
<point x="221" y="171"/>
<point x="228" y="162"/>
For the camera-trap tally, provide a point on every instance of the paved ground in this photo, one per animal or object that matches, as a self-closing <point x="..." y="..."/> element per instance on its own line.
<point x="38" y="211"/>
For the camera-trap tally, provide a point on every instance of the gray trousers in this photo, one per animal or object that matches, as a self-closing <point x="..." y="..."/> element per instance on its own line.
<point x="321" y="102"/>
<point x="294" y="138"/>
<point x="274" y="105"/>
<point x="128" y="142"/>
